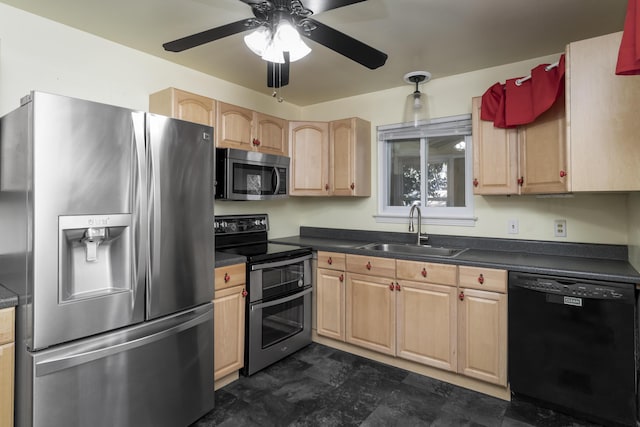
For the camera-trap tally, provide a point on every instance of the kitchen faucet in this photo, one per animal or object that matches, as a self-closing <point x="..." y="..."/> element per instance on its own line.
<point x="416" y="206"/>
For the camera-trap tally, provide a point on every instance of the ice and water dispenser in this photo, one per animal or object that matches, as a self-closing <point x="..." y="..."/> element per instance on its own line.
<point x="94" y="256"/>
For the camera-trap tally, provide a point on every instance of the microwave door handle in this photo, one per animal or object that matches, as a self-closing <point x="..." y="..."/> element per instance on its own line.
<point x="277" y="181"/>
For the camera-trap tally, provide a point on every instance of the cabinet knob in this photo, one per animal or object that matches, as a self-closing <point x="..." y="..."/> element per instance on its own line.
<point x="256" y="142"/>
<point x="226" y="277"/>
<point x="329" y="261"/>
<point x="326" y="187"/>
<point x="244" y="293"/>
<point x="481" y="279"/>
<point x="563" y="174"/>
<point x="353" y="186"/>
<point x="391" y="286"/>
<point x="397" y="287"/>
<point x="475" y="182"/>
<point x="461" y="296"/>
<point x="368" y="265"/>
<point x="341" y="278"/>
<point x="521" y="181"/>
<point x="424" y="272"/>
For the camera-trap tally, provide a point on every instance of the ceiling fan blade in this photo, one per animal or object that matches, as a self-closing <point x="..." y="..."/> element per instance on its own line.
<point x="209" y="35"/>
<point x="346" y="45"/>
<point x="318" y="6"/>
<point x="278" y="74"/>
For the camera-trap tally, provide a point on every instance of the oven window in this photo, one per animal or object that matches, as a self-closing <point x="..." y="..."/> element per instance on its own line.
<point x="282" y="280"/>
<point x="282" y="321"/>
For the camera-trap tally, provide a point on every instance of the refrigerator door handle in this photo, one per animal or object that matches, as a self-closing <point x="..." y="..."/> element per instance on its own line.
<point x="75" y="358"/>
<point x="139" y="196"/>
<point x="154" y="213"/>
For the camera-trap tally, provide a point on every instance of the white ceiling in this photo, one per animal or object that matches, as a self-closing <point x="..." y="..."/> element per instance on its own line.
<point x="444" y="37"/>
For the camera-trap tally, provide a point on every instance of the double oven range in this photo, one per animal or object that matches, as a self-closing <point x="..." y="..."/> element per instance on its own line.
<point x="278" y="312"/>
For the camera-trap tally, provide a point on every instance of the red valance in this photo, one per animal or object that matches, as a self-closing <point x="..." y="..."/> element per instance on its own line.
<point x="629" y="53"/>
<point x="521" y="100"/>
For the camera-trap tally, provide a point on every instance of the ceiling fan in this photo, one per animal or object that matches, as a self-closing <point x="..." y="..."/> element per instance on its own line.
<point x="270" y="14"/>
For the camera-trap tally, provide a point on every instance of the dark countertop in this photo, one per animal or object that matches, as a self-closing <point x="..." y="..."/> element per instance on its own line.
<point x="585" y="261"/>
<point x="224" y="259"/>
<point x="7" y="298"/>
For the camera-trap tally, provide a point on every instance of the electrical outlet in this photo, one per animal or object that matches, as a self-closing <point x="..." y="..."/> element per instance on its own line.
<point x="560" y="228"/>
<point x="512" y="226"/>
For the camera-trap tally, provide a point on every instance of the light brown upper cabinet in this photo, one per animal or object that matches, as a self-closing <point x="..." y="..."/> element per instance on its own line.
<point x="244" y="129"/>
<point x="529" y="159"/>
<point x="183" y="105"/>
<point x="602" y="117"/>
<point x="331" y="159"/>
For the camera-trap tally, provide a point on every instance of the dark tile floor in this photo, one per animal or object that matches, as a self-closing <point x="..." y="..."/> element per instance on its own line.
<point x="322" y="386"/>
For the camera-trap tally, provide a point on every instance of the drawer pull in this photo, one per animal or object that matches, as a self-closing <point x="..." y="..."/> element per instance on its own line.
<point x="329" y="261"/>
<point x="369" y="265"/>
<point x="391" y="287"/>
<point x="226" y="277"/>
<point x="397" y="287"/>
<point x="481" y="279"/>
<point x="341" y="278"/>
<point x="461" y="296"/>
<point x="424" y="272"/>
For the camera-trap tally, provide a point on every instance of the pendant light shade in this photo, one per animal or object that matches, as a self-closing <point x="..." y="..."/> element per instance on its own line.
<point x="416" y="108"/>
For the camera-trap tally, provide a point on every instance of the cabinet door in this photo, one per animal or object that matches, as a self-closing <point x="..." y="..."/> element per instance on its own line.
<point x="330" y="303"/>
<point x="7" y="358"/>
<point x="543" y="146"/>
<point x="482" y="335"/>
<point x="234" y="127"/>
<point x="371" y="313"/>
<point x="183" y="105"/>
<point x="350" y="157"/>
<point x="602" y="116"/>
<point x="495" y="156"/>
<point x="427" y="324"/>
<point x="272" y="135"/>
<point x="228" y="324"/>
<point x="309" y="149"/>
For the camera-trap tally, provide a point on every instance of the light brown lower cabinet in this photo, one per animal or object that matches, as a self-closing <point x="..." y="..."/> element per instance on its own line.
<point x="427" y="324"/>
<point x="228" y="320"/>
<point x="444" y="316"/>
<point x="371" y="312"/>
<point x="482" y="324"/>
<point x="7" y="359"/>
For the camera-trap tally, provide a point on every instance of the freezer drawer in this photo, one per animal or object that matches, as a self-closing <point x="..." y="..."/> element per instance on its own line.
<point x="156" y="374"/>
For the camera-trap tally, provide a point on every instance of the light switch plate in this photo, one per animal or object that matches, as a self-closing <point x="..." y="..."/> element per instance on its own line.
<point x="512" y="226"/>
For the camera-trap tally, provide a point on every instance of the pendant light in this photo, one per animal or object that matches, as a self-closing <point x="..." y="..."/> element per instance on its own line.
<point x="415" y="107"/>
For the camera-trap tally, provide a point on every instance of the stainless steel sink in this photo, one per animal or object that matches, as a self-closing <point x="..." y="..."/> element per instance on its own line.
<point x="413" y="249"/>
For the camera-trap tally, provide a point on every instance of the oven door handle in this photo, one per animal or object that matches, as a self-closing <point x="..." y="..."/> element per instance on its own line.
<point x="281" y="300"/>
<point x="279" y="263"/>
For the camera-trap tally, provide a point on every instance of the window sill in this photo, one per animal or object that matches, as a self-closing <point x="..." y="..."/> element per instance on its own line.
<point x="429" y="220"/>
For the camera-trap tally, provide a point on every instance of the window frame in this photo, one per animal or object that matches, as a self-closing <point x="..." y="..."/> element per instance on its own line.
<point x="445" y="126"/>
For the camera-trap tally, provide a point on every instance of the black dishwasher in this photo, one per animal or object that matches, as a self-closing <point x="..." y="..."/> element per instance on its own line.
<point x="572" y="345"/>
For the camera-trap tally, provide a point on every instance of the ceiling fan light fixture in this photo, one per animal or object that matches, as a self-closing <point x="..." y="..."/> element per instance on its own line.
<point x="258" y="40"/>
<point x="415" y="107"/>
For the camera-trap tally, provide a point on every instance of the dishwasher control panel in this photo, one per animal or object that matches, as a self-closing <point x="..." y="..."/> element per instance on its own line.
<point x="573" y="287"/>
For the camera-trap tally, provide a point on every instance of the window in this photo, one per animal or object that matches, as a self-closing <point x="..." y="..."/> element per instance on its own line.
<point x="431" y="163"/>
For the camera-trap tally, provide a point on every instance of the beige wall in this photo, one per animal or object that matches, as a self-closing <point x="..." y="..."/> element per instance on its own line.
<point x="39" y="54"/>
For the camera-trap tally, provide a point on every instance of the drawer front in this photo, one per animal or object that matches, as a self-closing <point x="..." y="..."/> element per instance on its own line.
<point x="427" y="272"/>
<point x="332" y="260"/>
<point x="7" y="325"/>
<point x="486" y="279"/>
<point x="373" y="266"/>
<point x="232" y="275"/>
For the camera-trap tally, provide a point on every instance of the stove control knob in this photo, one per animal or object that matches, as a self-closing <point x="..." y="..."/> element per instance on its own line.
<point x="216" y="225"/>
<point x="256" y="222"/>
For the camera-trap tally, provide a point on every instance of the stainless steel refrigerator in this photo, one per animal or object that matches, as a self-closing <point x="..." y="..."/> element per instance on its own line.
<point x="107" y="223"/>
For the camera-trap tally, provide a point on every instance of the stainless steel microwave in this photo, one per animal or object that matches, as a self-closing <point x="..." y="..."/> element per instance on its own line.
<point x="248" y="175"/>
